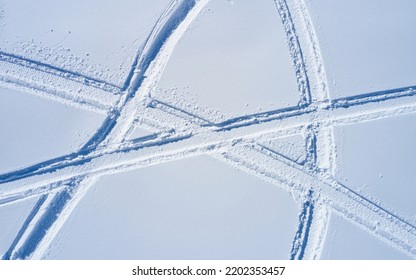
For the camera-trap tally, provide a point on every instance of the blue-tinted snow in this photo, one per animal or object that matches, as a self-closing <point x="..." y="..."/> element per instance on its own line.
<point x="377" y="159"/>
<point x="96" y="38"/>
<point x="34" y="129"/>
<point x="12" y="218"/>
<point x="345" y="241"/>
<point x="291" y="147"/>
<point x="140" y="132"/>
<point x="198" y="208"/>
<point x="232" y="61"/>
<point x="367" y="45"/>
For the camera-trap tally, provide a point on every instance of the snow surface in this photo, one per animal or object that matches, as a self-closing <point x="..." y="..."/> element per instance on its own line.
<point x="385" y="150"/>
<point x="12" y="218"/>
<point x="34" y="130"/>
<point x="292" y="147"/>
<point x="346" y="241"/>
<point x="198" y="208"/>
<point x="95" y="38"/>
<point x="207" y="129"/>
<point x="248" y="58"/>
<point x="367" y="45"/>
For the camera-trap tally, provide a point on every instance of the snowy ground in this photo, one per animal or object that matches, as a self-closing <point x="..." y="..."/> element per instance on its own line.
<point x="197" y="129"/>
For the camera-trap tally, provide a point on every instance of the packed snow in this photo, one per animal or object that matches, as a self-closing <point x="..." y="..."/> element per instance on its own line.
<point x="207" y="129"/>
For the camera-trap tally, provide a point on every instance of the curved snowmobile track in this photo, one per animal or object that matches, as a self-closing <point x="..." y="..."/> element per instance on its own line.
<point x="59" y="184"/>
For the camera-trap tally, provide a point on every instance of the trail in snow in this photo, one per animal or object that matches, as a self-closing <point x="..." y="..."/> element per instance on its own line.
<point x="60" y="183"/>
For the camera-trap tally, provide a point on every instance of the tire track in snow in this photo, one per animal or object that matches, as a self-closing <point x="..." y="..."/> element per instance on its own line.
<point x="153" y="65"/>
<point x="295" y="51"/>
<point x="313" y="220"/>
<point x="210" y="137"/>
<point x="389" y="228"/>
<point x="182" y="152"/>
<point x="368" y="205"/>
<point x="347" y="110"/>
<point x="302" y="234"/>
<point x="23" y="229"/>
<point x="379" y="97"/>
<point x="313" y="56"/>
<point x="33" y="230"/>
<point x="53" y="87"/>
<point x="118" y="116"/>
<point x="163" y="106"/>
<point x="59" y="72"/>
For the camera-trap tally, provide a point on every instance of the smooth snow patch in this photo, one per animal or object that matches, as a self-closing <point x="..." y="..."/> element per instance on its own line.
<point x="198" y="208"/>
<point x="376" y="159"/>
<point x="231" y="61"/>
<point x="345" y="241"/>
<point x="367" y="45"/>
<point x="34" y="129"/>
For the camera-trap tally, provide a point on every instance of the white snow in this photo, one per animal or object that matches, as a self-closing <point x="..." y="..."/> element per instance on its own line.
<point x="377" y="159"/>
<point x="215" y="129"/>
<point x="12" y="217"/>
<point x="198" y="208"/>
<point x="346" y="241"/>
<point x="367" y="45"/>
<point x="231" y="63"/>
<point x="292" y="147"/>
<point x="95" y="38"/>
<point x="34" y="130"/>
<point x="139" y="132"/>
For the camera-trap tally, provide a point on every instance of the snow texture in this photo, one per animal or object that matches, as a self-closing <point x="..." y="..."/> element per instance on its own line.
<point x="207" y="129"/>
